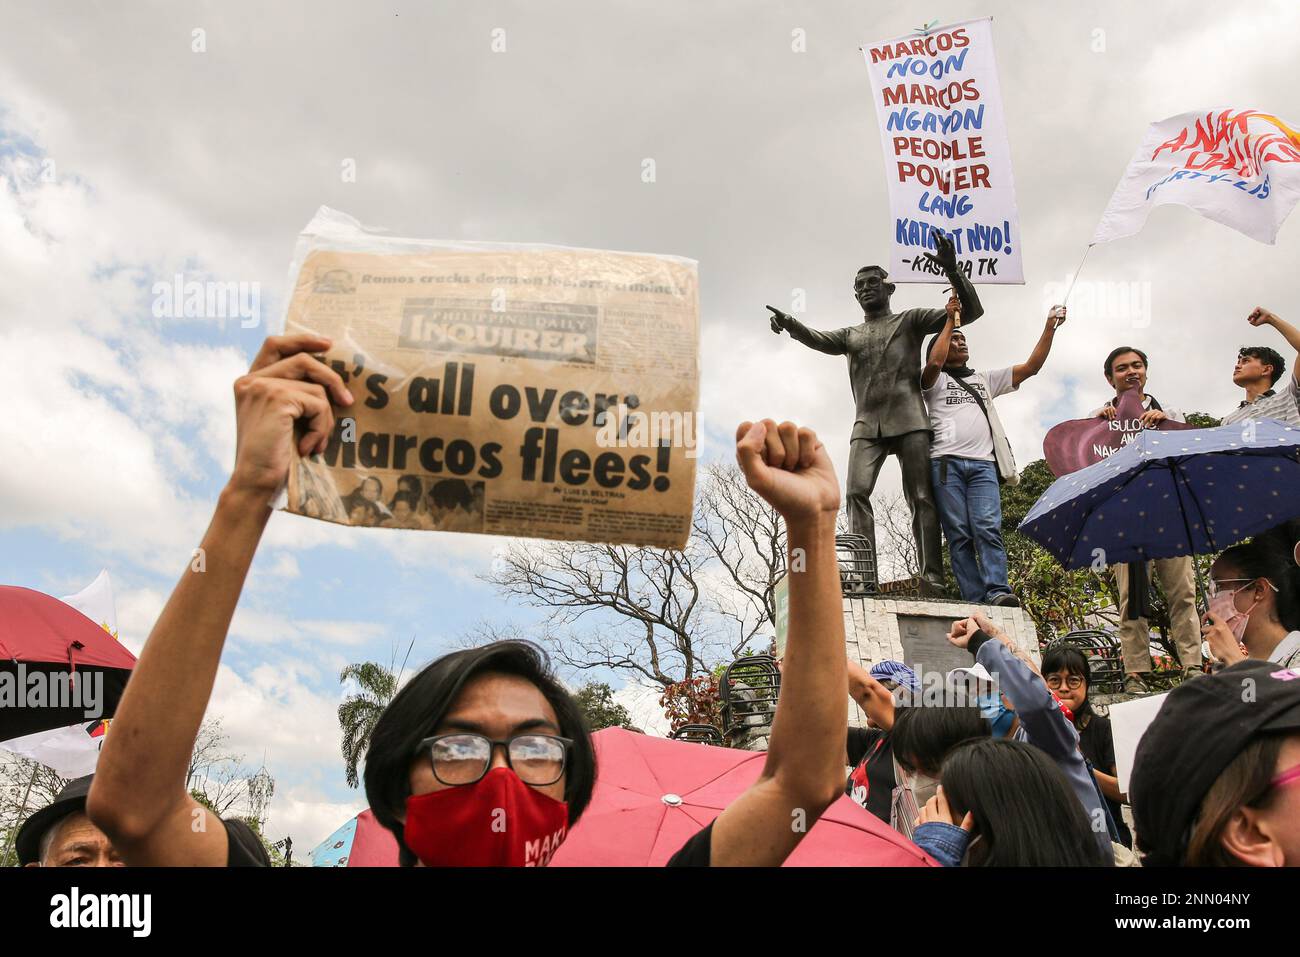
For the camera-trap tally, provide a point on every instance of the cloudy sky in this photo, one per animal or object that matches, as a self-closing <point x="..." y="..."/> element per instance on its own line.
<point x="127" y="157"/>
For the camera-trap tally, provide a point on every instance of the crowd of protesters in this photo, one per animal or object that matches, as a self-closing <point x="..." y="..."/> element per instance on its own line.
<point x="1015" y="767"/>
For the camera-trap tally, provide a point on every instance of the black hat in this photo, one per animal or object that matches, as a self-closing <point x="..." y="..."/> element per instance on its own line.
<point x="1201" y="727"/>
<point x="71" y="800"/>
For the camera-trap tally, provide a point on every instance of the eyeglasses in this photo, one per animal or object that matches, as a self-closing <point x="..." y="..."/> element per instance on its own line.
<point x="1073" y="682"/>
<point x="463" y="758"/>
<point x="1288" y="776"/>
<point x="1213" y="588"/>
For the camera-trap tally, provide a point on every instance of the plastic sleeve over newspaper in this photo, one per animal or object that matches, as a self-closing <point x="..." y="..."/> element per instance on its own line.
<point x="531" y="390"/>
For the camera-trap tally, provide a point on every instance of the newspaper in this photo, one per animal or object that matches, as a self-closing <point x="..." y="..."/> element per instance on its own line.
<point x="538" y="391"/>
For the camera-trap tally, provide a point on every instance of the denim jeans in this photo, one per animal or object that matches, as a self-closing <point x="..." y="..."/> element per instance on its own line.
<point x="970" y="511"/>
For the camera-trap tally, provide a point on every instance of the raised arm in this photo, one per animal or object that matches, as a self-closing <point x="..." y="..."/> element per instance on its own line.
<point x="1260" y="316"/>
<point x="945" y="257"/>
<point x="833" y="343"/>
<point x="871" y="696"/>
<point x="804" y="771"/>
<point x="1031" y="366"/>
<point x="939" y="354"/>
<point x="139" y="796"/>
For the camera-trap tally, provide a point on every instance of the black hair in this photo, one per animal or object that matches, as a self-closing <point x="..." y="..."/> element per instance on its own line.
<point x="1267" y="556"/>
<point x="1285" y="536"/>
<point x="922" y="736"/>
<point x="371" y="478"/>
<point x="1116" y="353"/>
<point x="356" y="500"/>
<point x="1025" y="812"/>
<point x="1070" y="658"/>
<point x="418" y="708"/>
<point x="884" y="273"/>
<point x="1270" y="357"/>
<point x="406" y="497"/>
<point x="451" y="493"/>
<point x="411" y="484"/>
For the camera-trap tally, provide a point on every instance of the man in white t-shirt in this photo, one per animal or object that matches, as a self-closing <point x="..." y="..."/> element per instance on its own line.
<point x="962" y="459"/>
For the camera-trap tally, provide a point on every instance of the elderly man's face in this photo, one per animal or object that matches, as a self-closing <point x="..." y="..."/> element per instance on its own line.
<point x="78" y="843"/>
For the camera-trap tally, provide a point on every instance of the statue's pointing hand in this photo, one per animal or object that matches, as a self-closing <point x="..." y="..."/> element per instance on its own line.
<point x="945" y="253"/>
<point x="780" y="320"/>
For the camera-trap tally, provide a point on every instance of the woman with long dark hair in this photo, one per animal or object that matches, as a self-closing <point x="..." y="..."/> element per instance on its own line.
<point x="1004" y="803"/>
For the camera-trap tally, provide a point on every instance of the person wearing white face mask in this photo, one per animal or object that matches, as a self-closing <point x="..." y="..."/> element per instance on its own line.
<point x="1254" y="607"/>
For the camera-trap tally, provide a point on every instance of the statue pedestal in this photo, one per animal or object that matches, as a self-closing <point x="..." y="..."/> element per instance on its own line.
<point x="914" y="630"/>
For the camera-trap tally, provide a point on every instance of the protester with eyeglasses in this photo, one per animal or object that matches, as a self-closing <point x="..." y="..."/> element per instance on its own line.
<point x="1068" y="675"/>
<point x="1022" y="708"/>
<point x="1254" y="608"/>
<point x="482" y="758"/>
<point x="1216" y="777"/>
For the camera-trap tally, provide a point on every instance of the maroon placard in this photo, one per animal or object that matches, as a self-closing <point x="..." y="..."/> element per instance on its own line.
<point x="1078" y="443"/>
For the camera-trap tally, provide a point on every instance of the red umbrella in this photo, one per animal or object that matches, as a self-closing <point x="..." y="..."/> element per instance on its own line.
<point x="652" y="794"/>
<point x="57" y="667"/>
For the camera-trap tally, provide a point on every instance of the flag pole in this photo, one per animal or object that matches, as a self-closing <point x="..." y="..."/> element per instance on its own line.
<point x="1077" y="269"/>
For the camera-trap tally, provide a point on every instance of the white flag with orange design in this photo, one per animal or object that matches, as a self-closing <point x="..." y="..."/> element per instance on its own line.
<point x="1240" y="168"/>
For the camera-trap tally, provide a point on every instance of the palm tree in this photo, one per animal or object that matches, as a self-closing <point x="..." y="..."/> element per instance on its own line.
<point x="359" y="712"/>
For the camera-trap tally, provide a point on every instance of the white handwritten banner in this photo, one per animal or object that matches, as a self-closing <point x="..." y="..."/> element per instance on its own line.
<point x="947" y="162"/>
<point x="1240" y="168"/>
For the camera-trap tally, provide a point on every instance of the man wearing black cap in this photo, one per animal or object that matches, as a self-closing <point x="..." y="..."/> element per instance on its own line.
<point x="1216" y="778"/>
<point x="60" y="834"/>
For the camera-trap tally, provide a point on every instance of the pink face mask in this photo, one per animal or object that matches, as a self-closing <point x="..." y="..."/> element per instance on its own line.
<point x="1223" y="604"/>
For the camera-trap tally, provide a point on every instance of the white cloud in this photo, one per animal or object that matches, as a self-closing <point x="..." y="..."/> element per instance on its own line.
<point x="642" y="702"/>
<point x="272" y="715"/>
<point x="307" y="816"/>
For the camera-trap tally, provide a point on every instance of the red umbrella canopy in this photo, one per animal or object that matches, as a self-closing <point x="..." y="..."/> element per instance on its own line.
<point x="652" y="794"/>
<point x="42" y="642"/>
<point x="35" y="627"/>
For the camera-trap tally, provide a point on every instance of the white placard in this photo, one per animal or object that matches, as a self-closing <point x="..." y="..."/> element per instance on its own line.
<point x="1129" y="720"/>
<point x="947" y="162"/>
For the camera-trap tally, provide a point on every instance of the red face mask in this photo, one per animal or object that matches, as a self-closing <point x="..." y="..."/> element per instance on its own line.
<point x="499" y="821"/>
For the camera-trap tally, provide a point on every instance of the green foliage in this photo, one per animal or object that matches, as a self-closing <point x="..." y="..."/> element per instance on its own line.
<point x="358" y="713"/>
<point x="596" y="699"/>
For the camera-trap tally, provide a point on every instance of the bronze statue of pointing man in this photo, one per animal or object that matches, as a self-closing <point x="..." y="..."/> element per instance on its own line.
<point x="884" y="353"/>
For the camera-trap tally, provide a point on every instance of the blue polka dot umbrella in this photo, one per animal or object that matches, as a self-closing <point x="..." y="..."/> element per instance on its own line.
<point x="1172" y="493"/>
